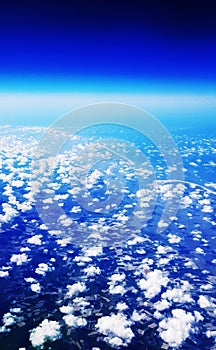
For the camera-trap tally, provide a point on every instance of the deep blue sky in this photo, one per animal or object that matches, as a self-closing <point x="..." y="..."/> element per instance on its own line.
<point x="92" y="46"/>
<point x="81" y="42"/>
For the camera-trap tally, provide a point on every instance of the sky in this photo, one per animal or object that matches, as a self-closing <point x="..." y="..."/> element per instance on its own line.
<point x="57" y="55"/>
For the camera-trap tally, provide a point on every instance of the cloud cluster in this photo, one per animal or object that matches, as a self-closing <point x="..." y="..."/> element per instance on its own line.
<point x="47" y="330"/>
<point x="116" y="329"/>
<point x="176" y="329"/>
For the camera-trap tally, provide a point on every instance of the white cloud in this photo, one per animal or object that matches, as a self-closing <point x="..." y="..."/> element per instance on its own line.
<point x="74" y="321"/>
<point x="36" y="240"/>
<point x="207" y="209"/>
<point x="19" y="259"/>
<point x="4" y="273"/>
<point x="116" y="328"/>
<point x="162" y="305"/>
<point x="42" y="269"/>
<point x="30" y="279"/>
<point x="152" y="283"/>
<point x="180" y="294"/>
<point x="121" y="306"/>
<point x="177" y="328"/>
<point x="204" y="302"/>
<point x="92" y="271"/>
<point x="135" y="240"/>
<point x="118" y="289"/>
<point x="173" y="238"/>
<point x="64" y="241"/>
<point x="68" y="309"/>
<point x="211" y="333"/>
<point x="94" y="251"/>
<point x="136" y="316"/>
<point x="75" y="289"/>
<point x="47" y="330"/>
<point x="35" y="287"/>
<point x="9" y="319"/>
<point x="115" y="286"/>
<point x="117" y="277"/>
<point x="24" y="249"/>
<point x="199" y="250"/>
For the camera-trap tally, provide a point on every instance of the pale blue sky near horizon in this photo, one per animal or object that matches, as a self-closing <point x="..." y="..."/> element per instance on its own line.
<point x="42" y="109"/>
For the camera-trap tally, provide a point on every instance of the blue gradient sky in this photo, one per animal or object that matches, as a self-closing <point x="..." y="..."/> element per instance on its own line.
<point x="58" y="55"/>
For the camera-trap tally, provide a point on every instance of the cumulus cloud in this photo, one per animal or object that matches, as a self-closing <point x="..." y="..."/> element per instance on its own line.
<point x="177" y="328"/>
<point x="43" y="268"/>
<point x="162" y="305"/>
<point x="75" y="289"/>
<point x="116" y="328"/>
<point x="136" y="316"/>
<point x="152" y="283"/>
<point x="35" y="287"/>
<point x="94" y="251"/>
<point x="121" y="306"/>
<point x="74" y="321"/>
<point x="36" y="240"/>
<point x="114" y="285"/>
<point x="173" y="238"/>
<point x="4" y="273"/>
<point x="47" y="330"/>
<point x="180" y="294"/>
<point x="135" y="240"/>
<point x="19" y="259"/>
<point x="205" y="302"/>
<point x="92" y="271"/>
<point x="9" y="319"/>
<point x="66" y="309"/>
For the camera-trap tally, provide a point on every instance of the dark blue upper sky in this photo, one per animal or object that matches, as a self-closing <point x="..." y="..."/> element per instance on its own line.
<point x="84" y="45"/>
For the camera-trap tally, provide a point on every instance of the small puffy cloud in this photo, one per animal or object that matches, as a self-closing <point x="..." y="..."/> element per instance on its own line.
<point x="19" y="259"/>
<point x="64" y="241"/>
<point x="173" y="238"/>
<point x="118" y="289"/>
<point x="24" y="249"/>
<point x="180" y="294"/>
<point x="68" y="309"/>
<point x="36" y="240"/>
<point x="116" y="328"/>
<point x="42" y="269"/>
<point x="152" y="283"/>
<point x="162" y="305"/>
<point x="115" y="286"/>
<point x="94" y="251"/>
<point x="211" y="333"/>
<point x="199" y="250"/>
<point x="204" y="302"/>
<point x="121" y="306"/>
<point x="9" y="319"/>
<point x="74" y="321"/>
<point x="30" y="279"/>
<point x="35" y="287"/>
<point x="4" y="273"/>
<point x="47" y="330"/>
<point x="93" y="178"/>
<point x="75" y="289"/>
<point x="136" y="316"/>
<point x="92" y="271"/>
<point x="207" y="209"/>
<point x="117" y="277"/>
<point x="135" y="240"/>
<point x="9" y="211"/>
<point x="163" y="250"/>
